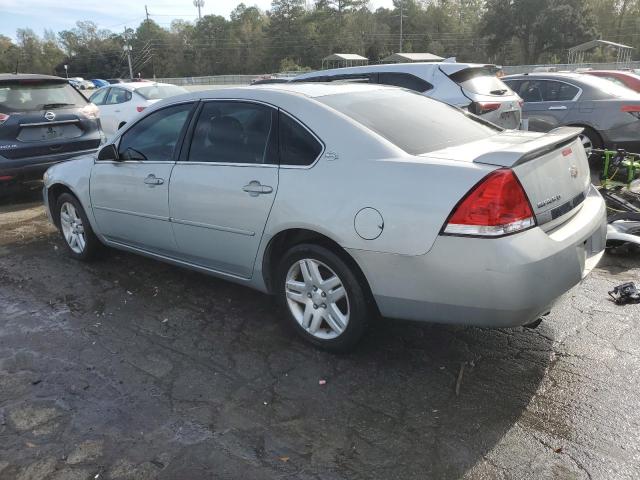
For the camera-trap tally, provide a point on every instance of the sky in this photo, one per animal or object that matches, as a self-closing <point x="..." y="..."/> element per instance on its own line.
<point x="112" y="14"/>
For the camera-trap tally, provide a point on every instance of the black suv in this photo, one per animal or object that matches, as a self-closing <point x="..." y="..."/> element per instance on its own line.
<point x="43" y="120"/>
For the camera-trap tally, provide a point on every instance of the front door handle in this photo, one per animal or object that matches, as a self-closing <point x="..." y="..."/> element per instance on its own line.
<point x="560" y="107"/>
<point x="153" y="180"/>
<point x="255" y="188"/>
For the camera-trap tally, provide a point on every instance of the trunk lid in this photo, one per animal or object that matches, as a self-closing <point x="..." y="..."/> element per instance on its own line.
<point x="553" y="168"/>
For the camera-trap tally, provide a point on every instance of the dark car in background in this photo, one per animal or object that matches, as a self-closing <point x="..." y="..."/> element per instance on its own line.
<point x="608" y="112"/>
<point x="43" y="121"/>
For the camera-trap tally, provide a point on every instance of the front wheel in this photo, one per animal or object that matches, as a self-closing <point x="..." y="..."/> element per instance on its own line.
<point x="76" y="231"/>
<point x="322" y="297"/>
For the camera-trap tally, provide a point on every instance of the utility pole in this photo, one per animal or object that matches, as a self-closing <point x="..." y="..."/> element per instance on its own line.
<point x="199" y="4"/>
<point x="402" y="15"/>
<point x="127" y="48"/>
<point x="153" y="63"/>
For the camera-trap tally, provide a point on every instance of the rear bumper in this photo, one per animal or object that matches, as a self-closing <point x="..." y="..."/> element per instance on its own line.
<point x="32" y="168"/>
<point x="502" y="282"/>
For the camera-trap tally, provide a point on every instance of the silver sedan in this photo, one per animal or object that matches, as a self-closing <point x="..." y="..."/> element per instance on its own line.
<point x="345" y="201"/>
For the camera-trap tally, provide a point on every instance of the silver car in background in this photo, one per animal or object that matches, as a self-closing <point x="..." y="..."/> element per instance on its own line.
<point x="344" y="201"/>
<point x="608" y="113"/>
<point x="471" y="86"/>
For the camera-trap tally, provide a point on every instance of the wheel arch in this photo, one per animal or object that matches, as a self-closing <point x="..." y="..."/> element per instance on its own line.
<point x="53" y="193"/>
<point x="285" y="239"/>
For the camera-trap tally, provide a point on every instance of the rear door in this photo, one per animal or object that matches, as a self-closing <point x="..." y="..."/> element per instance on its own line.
<point x="547" y="102"/>
<point x="130" y="197"/>
<point x="114" y="109"/>
<point x="222" y="190"/>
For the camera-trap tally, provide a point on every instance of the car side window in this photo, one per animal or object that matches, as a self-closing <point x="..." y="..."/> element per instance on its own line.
<point x="118" y="95"/>
<point x="558" y="91"/>
<point x="531" y="91"/>
<point x="297" y="145"/>
<point x="233" y="132"/>
<point x="99" y="97"/>
<point x="155" y="137"/>
<point x="404" y="80"/>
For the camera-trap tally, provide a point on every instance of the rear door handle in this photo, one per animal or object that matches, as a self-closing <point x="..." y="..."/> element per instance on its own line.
<point x="255" y="188"/>
<point x="561" y="107"/>
<point x="153" y="180"/>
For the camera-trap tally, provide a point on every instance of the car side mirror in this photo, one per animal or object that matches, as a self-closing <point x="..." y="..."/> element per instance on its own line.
<point x="108" y="152"/>
<point x="121" y="124"/>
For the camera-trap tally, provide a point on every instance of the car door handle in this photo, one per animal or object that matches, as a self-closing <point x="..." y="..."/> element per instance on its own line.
<point x="561" y="107"/>
<point x="153" y="180"/>
<point x="255" y="188"/>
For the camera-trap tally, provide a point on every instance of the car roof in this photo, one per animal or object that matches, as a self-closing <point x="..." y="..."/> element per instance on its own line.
<point x="28" y="76"/>
<point x="558" y="75"/>
<point x="394" y="67"/>
<point x="131" y="86"/>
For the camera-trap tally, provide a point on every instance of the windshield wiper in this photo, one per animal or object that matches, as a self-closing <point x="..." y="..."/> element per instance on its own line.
<point x="498" y="92"/>
<point x="47" y="106"/>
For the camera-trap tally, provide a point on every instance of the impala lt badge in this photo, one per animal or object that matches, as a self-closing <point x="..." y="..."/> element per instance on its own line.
<point x="548" y="201"/>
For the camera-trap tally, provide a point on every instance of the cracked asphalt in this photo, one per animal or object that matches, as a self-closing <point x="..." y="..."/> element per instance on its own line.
<point x="128" y="368"/>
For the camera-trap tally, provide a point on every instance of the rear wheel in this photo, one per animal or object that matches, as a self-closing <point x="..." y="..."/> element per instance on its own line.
<point x="75" y="229"/>
<point x="322" y="297"/>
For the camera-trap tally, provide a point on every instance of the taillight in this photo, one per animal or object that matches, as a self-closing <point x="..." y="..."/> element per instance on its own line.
<point x="496" y="206"/>
<point x="632" y="109"/>
<point x="3" y="118"/>
<point x="140" y="108"/>
<point x="90" y="111"/>
<point x="481" y="108"/>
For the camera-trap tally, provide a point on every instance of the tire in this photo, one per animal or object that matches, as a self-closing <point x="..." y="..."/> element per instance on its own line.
<point x="86" y="245"/>
<point x="314" y="313"/>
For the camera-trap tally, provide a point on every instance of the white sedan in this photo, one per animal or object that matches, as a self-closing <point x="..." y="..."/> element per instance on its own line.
<point x="119" y="103"/>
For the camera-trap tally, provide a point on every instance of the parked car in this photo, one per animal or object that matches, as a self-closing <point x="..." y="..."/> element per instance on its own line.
<point x="115" y="80"/>
<point x="608" y="113"/>
<point x="626" y="78"/>
<point x="43" y="120"/>
<point x="474" y="87"/>
<point x="99" y="83"/>
<point x="119" y="103"/>
<point x="307" y="192"/>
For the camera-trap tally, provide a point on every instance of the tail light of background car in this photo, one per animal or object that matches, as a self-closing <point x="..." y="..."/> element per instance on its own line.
<point x="480" y="108"/>
<point x="90" y="111"/>
<point x="496" y="206"/>
<point x="632" y="109"/>
<point x="3" y="118"/>
<point x="140" y="108"/>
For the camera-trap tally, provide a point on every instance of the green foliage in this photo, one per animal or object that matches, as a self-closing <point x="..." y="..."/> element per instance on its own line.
<point x="293" y="35"/>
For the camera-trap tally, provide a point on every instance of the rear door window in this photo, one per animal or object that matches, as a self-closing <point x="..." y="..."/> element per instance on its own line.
<point x="415" y="123"/>
<point x="233" y="132"/>
<point x="558" y="91"/>
<point x="118" y="95"/>
<point x="404" y="80"/>
<point x="33" y="95"/>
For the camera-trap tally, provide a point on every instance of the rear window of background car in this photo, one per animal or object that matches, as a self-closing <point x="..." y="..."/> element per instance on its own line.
<point x="34" y="95"/>
<point x="413" y="122"/>
<point x="158" y="92"/>
<point x="482" y="81"/>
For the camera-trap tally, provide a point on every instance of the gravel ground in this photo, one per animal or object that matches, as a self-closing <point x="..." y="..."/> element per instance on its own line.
<point x="128" y="368"/>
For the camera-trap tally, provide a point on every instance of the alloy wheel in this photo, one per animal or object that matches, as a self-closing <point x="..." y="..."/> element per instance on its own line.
<point x="72" y="228"/>
<point x="317" y="298"/>
<point x="586" y="143"/>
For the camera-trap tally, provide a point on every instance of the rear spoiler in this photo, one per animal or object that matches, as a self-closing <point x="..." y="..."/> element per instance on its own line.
<point x="523" y="152"/>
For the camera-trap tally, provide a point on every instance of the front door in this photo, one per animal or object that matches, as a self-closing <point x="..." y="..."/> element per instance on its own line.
<point x="547" y="103"/>
<point x="221" y="193"/>
<point x="130" y="196"/>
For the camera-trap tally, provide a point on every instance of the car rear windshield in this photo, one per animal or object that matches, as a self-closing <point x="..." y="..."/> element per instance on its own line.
<point x="411" y="121"/>
<point x="158" y="92"/>
<point x="33" y="95"/>
<point x="482" y="81"/>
